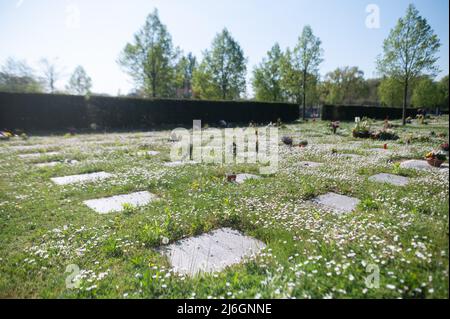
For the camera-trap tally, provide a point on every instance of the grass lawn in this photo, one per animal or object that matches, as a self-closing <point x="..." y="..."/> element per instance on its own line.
<point x="46" y="230"/>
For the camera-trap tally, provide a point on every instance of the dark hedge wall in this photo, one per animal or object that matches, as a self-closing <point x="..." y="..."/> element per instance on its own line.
<point x="56" y="112"/>
<point x="349" y="112"/>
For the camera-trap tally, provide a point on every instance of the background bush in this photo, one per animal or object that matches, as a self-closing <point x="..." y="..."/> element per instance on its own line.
<point x="56" y="112"/>
<point x="349" y="112"/>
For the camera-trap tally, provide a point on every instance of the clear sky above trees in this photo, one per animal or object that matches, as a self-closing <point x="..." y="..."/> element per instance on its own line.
<point x="103" y="27"/>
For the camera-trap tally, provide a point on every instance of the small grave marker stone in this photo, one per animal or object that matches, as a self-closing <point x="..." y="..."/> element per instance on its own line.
<point x="211" y="252"/>
<point x="336" y="202"/>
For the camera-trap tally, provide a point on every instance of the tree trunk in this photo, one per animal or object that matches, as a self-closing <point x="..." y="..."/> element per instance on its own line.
<point x="224" y="90"/>
<point x="304" y="96"/>
<point x="153" y="88"/>
<point x="405" y="102"/>
<point x="52" y="86"/>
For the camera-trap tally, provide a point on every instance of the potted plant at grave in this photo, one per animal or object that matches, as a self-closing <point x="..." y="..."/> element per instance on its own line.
<point x="231" y="177"/>
<point x="445" y="147"/>
<point x="72" y="131"/>
<point x="387" y="124"/>
<point x="409" y="139"/>
<point x="421" y="119"/>
<point x="362" y="130"/>
<point x="385" y="135"/>
<point x="4" y="136"/>
<point x="436" y="158"/>
<point x="287" y="140"/>
<point x="303" y="143"/>
<point x="334" y="126"/>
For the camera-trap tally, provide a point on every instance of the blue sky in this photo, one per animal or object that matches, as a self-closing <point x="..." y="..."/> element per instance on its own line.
<point x="92" y="33"/>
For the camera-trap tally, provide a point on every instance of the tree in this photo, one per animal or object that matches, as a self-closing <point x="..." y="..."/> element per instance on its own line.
<point x="307" y="56"/>
<point x="80" y="83"/>
<point x="372" y="97"/>
<point x="313" y="92"/>
<point x="345" y="86"/>
<point x="185" y="69"/>
<point x="443" y="88"/>
<point x="51" y="73"/>
<point x="409" y="51"/>
<point x="221" y="75"/>
<point x="150" y="59"/>
<point x="267" y="77"/>
<point x="17" y="76"/>
<point x="426" y="94"/>
<point x="290" y="78"/>
<point x="390" y="92"/>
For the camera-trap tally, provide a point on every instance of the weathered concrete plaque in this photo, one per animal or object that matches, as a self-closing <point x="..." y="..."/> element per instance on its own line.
<point x="65" y="180"/>
<point x="211" y="252"/>
<point x="336" y="202"/>
<point x="116" y="203"/>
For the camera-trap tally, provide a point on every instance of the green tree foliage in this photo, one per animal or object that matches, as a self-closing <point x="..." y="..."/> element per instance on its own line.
<point x="51" y="73"/>
<point x="221" y="75"/>
<point x="409" y="51"/>
<point x="345" y="85"/>
<point x="313" y="89"/>
<point x="307" y="56"/>
<point x="290" y="78"/>
<point x="372" y="97"/>
<point x="185" y="69"/>
<point x="80" y="83"/>
<point x="267" y="77"/>
<point x="443" y="88"/>
<point x="390" y="92"/>
<point x="151" y="58"/>
<point x="17" y="77"/>
<point x="426" y="94"/>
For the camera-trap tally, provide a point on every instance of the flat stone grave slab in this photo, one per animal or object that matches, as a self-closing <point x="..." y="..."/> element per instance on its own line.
<point x="421" y="165"/>
<point x="36" y="155"/>
<point x="352" y="156"/>
<point x="52" y="164"/>
<point x="390" y="179"/>
<point x="336" y="202"/>
<point x="307" y="164"/>
<point x="211" y="252"/>
<point x="380" y="150"/>
<point x="241" y="178"/>
<point x="29" y="147"/>
<point x="248" y="156"/>
<point x="117" y="148"/>
<point x="116" y="203"/>
<point x="179" y="163"/>
<point x="48" y="164"/>
<point x="323" y="146"/>
<point x="65" y="180"/>
<point x="150" y="153"/>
